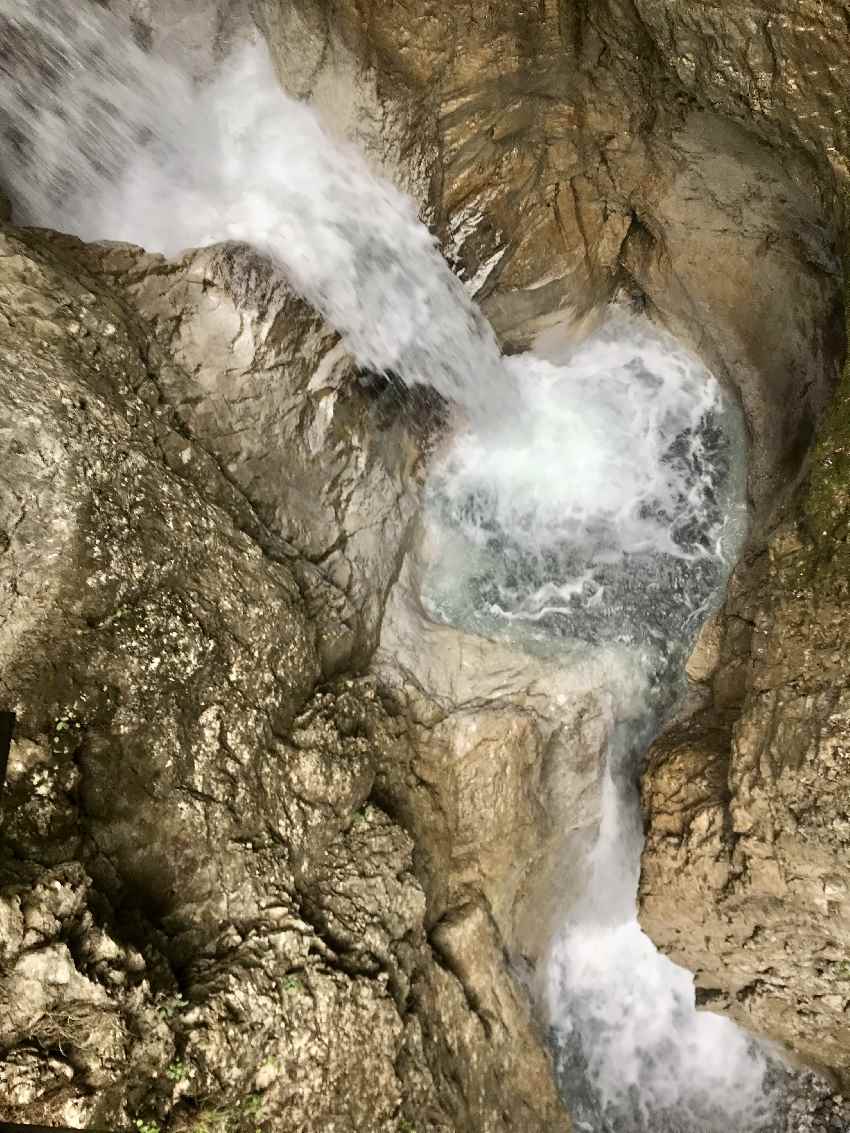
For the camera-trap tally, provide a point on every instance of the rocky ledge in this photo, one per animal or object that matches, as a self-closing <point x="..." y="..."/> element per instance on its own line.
<point x="207" y="913"/>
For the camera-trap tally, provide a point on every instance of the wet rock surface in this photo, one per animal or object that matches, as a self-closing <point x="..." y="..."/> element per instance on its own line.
<point x="744" y="870"/>
<point x="211" y="912"/>
<point x="501" y="777"/>
<point x="205" y="917"/>
<point x="813" y="1107"/>
<point x="326" y="467"/>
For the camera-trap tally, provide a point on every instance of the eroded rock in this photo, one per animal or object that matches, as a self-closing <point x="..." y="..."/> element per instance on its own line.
<point x="744" y="869"/>
<point x="502" y="773"/>
<point x="263" y="386"/>
<point x="203" y="917"/>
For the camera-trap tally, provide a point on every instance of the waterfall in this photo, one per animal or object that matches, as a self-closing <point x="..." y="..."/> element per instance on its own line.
<point x="594" y="497"/>
<point x="107" y="141"/>
<point x="608" y="521"/>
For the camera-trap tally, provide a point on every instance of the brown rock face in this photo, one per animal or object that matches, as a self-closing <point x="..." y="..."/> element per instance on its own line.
<point x="745" y="864"/>
<point x="777" y="68"/>
<point x="205" y="918"/>
<point x="242" y="882"/>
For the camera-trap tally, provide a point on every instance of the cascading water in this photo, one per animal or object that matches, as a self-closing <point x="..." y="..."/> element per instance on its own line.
<point x="593" y="502"/>
<point x="609" y="520"/>
<point x="108" y="142"/>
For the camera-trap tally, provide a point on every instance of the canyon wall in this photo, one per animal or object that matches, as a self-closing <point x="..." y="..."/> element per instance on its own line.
<point x="265" y="844"/>
<point x="692" y="159"/>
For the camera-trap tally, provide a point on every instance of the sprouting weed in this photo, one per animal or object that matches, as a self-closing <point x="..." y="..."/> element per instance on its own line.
<point x="176" y="1071"/>
<point x="146" y="1126"/>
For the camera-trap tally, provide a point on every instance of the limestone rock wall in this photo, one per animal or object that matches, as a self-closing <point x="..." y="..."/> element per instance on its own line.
<point x="205" y="917"/>
<point x="745" y="866"/>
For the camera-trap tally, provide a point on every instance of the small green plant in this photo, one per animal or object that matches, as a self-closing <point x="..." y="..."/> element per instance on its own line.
<point x="176" y="1071"/>
<point x="253" y="1104"/>
<point x="291" y="983"/>
<point x="405" y="1126"/>
<point x="146" y="1126"/>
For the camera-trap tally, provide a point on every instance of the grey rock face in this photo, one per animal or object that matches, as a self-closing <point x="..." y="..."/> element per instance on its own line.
<point x="203" y="917"/>
<point x="262" y="385"/>
<point x="500" y="781"/>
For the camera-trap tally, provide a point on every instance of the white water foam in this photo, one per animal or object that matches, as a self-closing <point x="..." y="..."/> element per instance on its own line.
<point x="614" y="457"/>
<point x="595" y="504"/>
<point x="108" y="142"/>
<point x="652" y="1062"/>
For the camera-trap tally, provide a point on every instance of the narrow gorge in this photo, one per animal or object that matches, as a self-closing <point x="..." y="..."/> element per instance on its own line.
<point x="424" y="502"/>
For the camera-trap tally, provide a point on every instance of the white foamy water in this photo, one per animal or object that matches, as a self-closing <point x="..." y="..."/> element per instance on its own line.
<point x="651" y="1062"/>
<point x="105" y="141"/>
<point x="618" y="456"/>
<point x="590" y="501"/>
